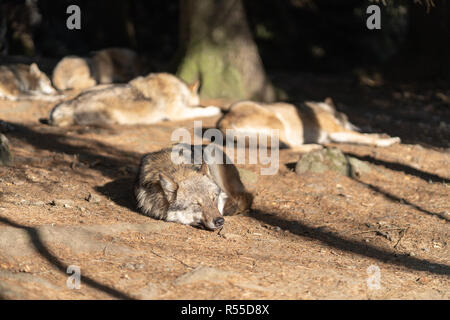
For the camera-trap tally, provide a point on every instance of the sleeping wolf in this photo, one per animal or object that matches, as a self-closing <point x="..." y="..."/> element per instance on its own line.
<point x="144" y="100"/>
<point x="301" y="127"/>
<point x="189" y="193"/>
<point x="113" y="65"/>
<point x="20" y="81"/>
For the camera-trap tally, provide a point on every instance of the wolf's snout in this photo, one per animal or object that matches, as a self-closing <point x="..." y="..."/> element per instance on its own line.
<point x="218" y="222"/>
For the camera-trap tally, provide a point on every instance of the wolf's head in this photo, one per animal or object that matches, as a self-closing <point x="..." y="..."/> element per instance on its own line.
<point x="193" y="200"/>
<point x="42" y="83"/>
<point x="61" y="115"/>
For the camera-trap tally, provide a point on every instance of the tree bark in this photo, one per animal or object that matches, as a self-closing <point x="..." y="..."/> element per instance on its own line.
<point x="218" y="49"/>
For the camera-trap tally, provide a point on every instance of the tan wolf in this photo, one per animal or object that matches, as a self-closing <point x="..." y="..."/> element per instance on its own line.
<point x="144" y="100"/>
<point x="113" y="65"/>
<point x="20" y="81"/>
<point x="197" y="192"/>
<point x="300" y="127"/>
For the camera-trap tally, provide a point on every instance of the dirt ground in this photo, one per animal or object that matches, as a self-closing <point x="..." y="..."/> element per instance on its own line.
<point x="67" y="201"/>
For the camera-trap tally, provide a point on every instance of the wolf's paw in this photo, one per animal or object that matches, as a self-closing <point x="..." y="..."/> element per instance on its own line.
<point x="307" y="147"/>
<point x="211" y="111"/>
<point x="388" y="142"/>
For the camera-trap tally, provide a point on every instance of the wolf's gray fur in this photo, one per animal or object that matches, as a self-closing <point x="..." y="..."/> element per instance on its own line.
<point x="193" y="194"/>
<point x="18" y="81"/>
<point x="144" y="100"/>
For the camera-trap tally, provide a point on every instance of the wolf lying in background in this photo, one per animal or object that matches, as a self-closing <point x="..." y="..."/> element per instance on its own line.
<point x="20" y="81"/>
<point x="144" y="100"/>
<point x="189" y="193"/>
<point x="309" y="123"/>
<point x="113" y="65"/>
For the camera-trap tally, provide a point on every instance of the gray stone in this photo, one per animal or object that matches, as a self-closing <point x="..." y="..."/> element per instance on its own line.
<point x="358" y="167"/>
<point x="331" y="159"/>
<point x="134" y="266"/>
<point x="327" y="159"/>
<point x="93" y="198"/>
<point x="247" y="176"/>
<point x="149" y="292"/>
<point x="17" y="242"/>
<point x="67" y="203"/>
<point x="201" y="274"/>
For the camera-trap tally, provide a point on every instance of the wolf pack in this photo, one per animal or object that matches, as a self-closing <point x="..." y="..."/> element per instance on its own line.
<point x="110" y="89"/>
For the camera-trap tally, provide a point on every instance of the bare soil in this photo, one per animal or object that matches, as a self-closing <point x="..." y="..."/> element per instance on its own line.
<point x="67" y="200"/>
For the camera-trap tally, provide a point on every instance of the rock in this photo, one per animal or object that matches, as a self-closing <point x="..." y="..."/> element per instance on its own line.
<point x="5" y="154"/>
<point x="38" y="203"/>
<point x="247" y="176"/>
<point x="92" y="198"/>
<point x="331" y="159"/>
<point x="358" y="167"/>
<point x="134" y="266"/>
<point x="323" y="160"/>
<point x="201" y="274"/>
<point x="150" y="291"/>
<point x="66" y="203"/>
<point x="15" y="285"/>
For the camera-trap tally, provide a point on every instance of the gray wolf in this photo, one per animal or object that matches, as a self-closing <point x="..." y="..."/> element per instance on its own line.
<point x="112" y="65"/>
<point x="144" y="100"/>
<point x="189" y="193"/>
<point x="21" y="81"/>
<point x="300" y="126"/>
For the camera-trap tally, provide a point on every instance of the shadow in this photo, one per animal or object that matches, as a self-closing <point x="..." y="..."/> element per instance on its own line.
<point x="50" y="257"/>
<point x="401" y="200"/>
<point x="361" y="248"/>
<point x="401" y="167"/>
<point x="291" y="166"/>
<point x="374" y="107"/>
<point x="121" y="192"/>
<point x="311" y="127"/>
<point x="55" y="140"/>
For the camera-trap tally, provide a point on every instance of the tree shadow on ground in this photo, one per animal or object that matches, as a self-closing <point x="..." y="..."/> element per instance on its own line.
<point x="62" y="267"/>
<point x="401" y="167"/>
<point x="120" y="191"/>
<point x="397" y="167"/>
<point x="401" y="200"/>
<point x="97" y="155"/>
<point x="361" y="248"/>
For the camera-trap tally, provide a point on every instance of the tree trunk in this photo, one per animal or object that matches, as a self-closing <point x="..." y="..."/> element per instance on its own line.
<point x="218" y="49"/>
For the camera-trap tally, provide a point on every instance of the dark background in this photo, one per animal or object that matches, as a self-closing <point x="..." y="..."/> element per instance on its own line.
<point x="311" y="49"/>
<point x="304" y="35"/>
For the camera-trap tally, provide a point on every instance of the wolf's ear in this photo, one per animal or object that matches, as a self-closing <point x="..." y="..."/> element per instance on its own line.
<point x="194" y="86"/>
<point x="168" y="185"/>
<point x="204" y="169"/>
<point x="34" y="69"/>
<point x="330" y="102"/>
